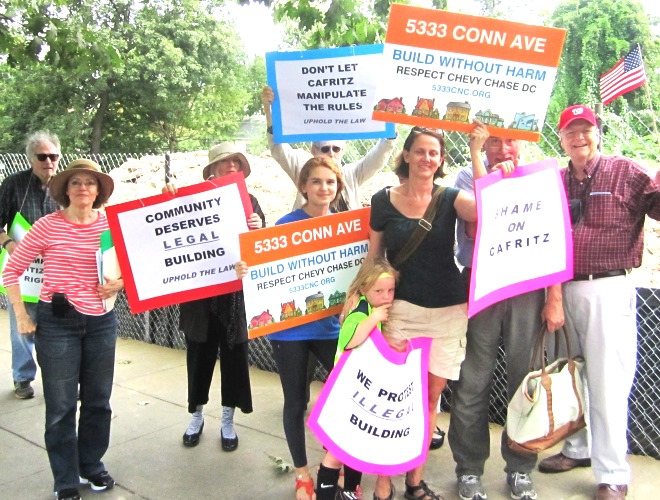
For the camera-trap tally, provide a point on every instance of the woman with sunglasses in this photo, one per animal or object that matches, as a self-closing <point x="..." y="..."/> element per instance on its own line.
<point x="430" y="295"/>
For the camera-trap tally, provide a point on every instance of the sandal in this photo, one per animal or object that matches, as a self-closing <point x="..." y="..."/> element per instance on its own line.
<point x="391" y="497"/>
<point x="308" y="485"/>
<point x="427" y="493"/>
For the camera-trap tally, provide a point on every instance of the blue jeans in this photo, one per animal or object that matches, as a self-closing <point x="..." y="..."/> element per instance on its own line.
<point x="23" y="365"/>
<point x="71" y="350"/>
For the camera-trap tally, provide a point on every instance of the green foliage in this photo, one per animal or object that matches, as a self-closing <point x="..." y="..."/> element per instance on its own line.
<point x="599" y="34"/>
<point x="281" y="466"/>
<point x="337" y="23"/>
<point x="158" y="75"/>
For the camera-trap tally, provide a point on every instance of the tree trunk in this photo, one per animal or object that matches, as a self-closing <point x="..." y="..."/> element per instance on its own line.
<point x="97" y="122"/>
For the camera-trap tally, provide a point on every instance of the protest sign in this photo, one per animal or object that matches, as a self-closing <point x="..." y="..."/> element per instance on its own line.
<point x="174" y="249"/>
<point x="326" y="94"/>
<point x="371" y="413"/>
<point x="299" y="272"/>
<point x="444" y="69"/>
<point x="524" y="240"/>
<point x="32" y="279"/>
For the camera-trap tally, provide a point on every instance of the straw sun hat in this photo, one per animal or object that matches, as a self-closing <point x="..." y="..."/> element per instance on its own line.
<point x="59" y="182"/>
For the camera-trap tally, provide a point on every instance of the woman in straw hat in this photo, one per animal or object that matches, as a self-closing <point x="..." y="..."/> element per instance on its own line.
<point x="218" y="323"/>
<point x="74" y="335"/>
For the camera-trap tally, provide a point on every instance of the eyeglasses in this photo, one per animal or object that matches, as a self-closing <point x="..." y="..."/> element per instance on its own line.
<point x="52" y="156"/>
<point x="574" y="134"/>
<point x="326" y="149"/>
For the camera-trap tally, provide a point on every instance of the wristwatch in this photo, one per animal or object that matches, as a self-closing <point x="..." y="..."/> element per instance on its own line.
<point x="269" y="129"/>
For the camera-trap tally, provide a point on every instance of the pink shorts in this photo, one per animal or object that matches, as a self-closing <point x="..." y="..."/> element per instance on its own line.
<point x="447" y="326"/>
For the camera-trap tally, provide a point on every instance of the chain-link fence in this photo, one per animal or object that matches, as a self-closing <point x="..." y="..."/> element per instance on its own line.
<point x="15" y="162"/>
<point x="635" y="139"/>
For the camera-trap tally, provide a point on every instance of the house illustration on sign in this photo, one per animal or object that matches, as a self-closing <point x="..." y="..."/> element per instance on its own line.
<point x="425" y="107"/>
<point x="391" y="105"/>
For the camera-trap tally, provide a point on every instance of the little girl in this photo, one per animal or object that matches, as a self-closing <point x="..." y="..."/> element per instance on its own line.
<point x="374" y="284"/>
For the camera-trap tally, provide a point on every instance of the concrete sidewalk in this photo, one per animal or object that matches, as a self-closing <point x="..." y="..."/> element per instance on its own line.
<point x="147" y="459"/>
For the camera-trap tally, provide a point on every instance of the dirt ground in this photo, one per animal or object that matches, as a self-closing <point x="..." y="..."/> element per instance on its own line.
<point x="276" y="192"/>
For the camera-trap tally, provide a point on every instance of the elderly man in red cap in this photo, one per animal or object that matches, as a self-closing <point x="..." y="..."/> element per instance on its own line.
<point x="610" y="197"/>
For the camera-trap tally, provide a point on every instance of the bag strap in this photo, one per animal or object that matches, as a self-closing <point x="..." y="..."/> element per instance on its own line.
<point x="538" y="354"/>
<point x="420" y="232"/>
<point x="539" y="350"/>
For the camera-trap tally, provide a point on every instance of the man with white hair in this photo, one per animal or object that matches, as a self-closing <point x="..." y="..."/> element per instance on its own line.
<point x="26" y="193"/>
<point x="355" y="174"/>
<point x="612" y="196"/>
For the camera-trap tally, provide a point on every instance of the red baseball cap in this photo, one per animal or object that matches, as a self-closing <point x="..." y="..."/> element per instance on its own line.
<point x="577" y="112"/>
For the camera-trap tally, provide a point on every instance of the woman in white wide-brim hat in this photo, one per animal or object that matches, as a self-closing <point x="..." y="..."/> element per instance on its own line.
<point x="74" y="336"/>
<point x="218" y="324"/>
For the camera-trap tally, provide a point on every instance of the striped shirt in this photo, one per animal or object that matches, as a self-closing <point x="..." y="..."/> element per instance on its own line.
<point x="615" y="202"/>
<point x="69" y="253"/>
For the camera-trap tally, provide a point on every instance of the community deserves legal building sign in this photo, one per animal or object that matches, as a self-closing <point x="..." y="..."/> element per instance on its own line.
<point x="181" y="248"/>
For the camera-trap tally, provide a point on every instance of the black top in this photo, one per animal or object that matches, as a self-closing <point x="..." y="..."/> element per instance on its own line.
<point x="228" y="309"/>
<point x="429" y="277"/>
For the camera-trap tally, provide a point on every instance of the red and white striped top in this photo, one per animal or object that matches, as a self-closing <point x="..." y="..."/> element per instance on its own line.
<point x="69" y="253"/>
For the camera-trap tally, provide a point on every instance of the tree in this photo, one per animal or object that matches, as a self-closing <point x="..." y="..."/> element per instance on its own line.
<point x="598" y="35"/>
<point x="162" y="74"/>
<point x="340" y="22"/>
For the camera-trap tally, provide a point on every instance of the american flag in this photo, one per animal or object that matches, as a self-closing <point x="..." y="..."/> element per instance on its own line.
<point x="626" y="75"/>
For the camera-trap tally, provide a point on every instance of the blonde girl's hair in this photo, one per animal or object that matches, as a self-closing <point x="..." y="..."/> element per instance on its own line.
<point x="314" y="162"/>
<point x="369" y="272"/>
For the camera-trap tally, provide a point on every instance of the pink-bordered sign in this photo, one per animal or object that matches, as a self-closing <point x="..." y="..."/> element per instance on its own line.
<point x="524" y="240"/>
<point x="174" y="249"/>
<point x="372" y="411"/>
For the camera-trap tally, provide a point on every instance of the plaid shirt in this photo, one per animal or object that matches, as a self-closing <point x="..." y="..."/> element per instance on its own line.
<point x="22" y="192"/>
<point x="615" y="201"/>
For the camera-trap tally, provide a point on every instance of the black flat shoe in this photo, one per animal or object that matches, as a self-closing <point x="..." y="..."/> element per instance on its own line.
<point x="191" y="440"/>
<point x="228" y="444"/>
<point x="438" y="439"/>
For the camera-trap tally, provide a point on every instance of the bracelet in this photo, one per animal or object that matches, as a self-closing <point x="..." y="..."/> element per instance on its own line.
<point x="7" y="242"/>
<point x="269" y="129"/>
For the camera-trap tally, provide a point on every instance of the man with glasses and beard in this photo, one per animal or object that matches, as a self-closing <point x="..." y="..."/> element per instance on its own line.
<point x="355" y="174"/>
<point x="26" y="193"/>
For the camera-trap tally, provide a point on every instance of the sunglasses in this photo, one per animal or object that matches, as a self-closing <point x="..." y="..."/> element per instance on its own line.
<point x="439" y="132"/>
<point x="42" y="157"/>
<point x="326" y="149"/>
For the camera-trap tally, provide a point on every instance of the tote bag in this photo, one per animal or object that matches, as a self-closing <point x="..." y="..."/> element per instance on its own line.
<point x="549" y="404"/>
<point x="371" y="413"/>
